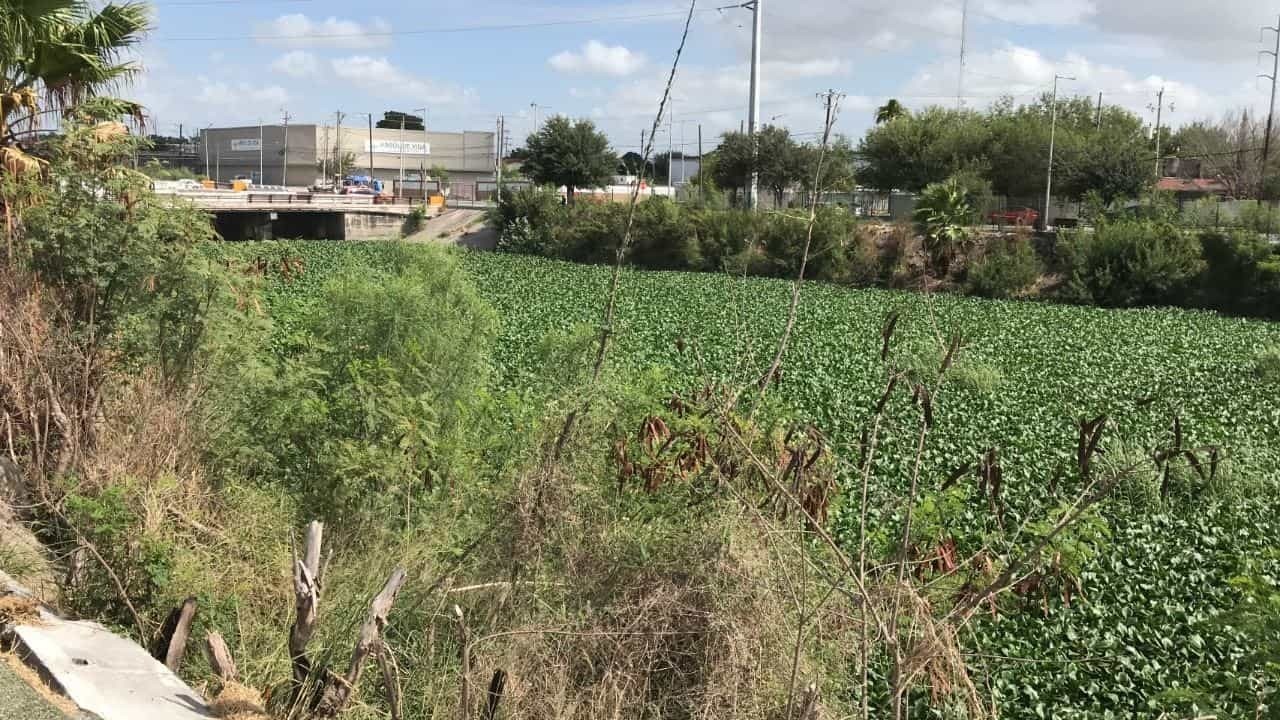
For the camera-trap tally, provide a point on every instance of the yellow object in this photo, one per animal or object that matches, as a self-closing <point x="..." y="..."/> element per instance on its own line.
<point x="240" y="185"/>
<point x="209" y="184"/>
<point x="436" y="201"/>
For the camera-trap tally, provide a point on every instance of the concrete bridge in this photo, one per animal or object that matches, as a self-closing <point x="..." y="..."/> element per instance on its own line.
<point x="283" y="214"/>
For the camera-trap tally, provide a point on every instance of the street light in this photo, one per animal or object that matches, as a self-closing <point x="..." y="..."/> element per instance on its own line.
<point x="1053" y="129"/>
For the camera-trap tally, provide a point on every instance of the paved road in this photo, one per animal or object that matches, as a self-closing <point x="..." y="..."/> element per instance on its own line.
<point x="464" y="227"/>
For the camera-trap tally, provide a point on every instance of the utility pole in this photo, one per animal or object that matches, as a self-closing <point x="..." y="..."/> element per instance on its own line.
<point x="1053" y="129"/>
<point x="964" y="46"/>
<point x="206" y="150"/>
<point x="284" y="159"/>
<point x="832" y="100"/>
<point x="1271" y="109"/>
<point x="671" y="155"/>
<point x="498" y="166"/>
<point x="324" y="157"/>
<point x="1099" y="111"/>
<point x="1159" y="121"/>
<point x="753" y="116"/>
<point x="337" y="147"/>
<point x="702" y="181"/>
<point x="370" y="116"/>
<point x="261" y="177"/>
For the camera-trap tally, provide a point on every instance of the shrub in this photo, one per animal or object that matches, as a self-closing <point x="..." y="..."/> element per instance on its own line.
<point x="1241" y="275"/>
<point x="1259" y="217"/>
<point x="1130" y="263"/>
<point x="664" y="237"/>
<point x="414" y="221"/>
<point x="1008" y="267"/>
<point x="525" y="219"/>
<point x="364" y="415"/>
<point x="783" y="239"/>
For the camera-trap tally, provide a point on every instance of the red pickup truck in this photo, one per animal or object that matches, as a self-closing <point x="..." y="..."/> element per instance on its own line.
<point x="1014" y="216"/>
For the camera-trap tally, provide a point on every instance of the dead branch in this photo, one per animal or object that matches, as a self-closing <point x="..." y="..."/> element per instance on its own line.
<point x="497" y="686"/>
<point x="340" y="690"/>
<point x="391" y="680"/>
<point x="220" y="657"/>
<point x="307" y="584"/>
<point x="464" y="687"/>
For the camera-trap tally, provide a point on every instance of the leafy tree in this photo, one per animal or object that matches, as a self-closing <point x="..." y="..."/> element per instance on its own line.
<point x="890" y="111"/>
<point x="921" y="149"/>
<point x="838" y="166"/>
<point x="57" y="54"/>
<point x="730" y="164"/>
<point x="782" y="162"/>
<point x="569" y="153"/>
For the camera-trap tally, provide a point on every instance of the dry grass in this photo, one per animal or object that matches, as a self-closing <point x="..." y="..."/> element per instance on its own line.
<point x="32" y="678"/>
<point x="19" y="610"/>
<point x="237" y="702"/>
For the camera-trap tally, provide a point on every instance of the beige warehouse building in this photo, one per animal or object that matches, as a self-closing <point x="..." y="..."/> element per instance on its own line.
<point x="242" y="151"/>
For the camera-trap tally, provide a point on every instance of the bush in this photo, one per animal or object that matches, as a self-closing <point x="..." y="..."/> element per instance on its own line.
<point x="783" y="239"/>
<point x="1007" y="268"/>
<point x="414" y="221"/>
<point x="1130" y="263"/>
<point x="665" y="237"/>
<point x="1242" y="274"/>
<point x="526" y="219"/>
<point x="364" y="415"/>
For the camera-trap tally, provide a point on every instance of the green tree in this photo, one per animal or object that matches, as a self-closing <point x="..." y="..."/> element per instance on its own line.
<point x="781" y="161"/>
<point x="890" y="111"/>
<point x="569" y="153"/>
<point x="925" y="148"/>
<point x="57" y="54"/>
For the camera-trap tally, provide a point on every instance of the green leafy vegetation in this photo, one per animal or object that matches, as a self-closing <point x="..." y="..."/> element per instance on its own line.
<point x="1007" y="268"/>
<point x="1139" y="580"/>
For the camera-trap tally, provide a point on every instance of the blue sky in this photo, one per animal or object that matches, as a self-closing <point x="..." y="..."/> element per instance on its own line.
<point x="235" y="61"/>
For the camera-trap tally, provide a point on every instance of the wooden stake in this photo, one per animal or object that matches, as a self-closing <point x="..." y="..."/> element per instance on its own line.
<point x="220" y="657"/>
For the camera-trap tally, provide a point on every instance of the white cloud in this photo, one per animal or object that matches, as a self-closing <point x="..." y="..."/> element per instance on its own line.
<point x="599" y="59"/>
<point x="226" y="95"/>
<point x="377" y="76"/>
<point x="299" y="31"/>
<point x="297" y="63"/>
<point x="1026" y="74"/>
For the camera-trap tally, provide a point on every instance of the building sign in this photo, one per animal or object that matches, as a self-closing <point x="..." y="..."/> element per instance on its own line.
<point x="253" y="145"/>
<point x="396" y="147"/>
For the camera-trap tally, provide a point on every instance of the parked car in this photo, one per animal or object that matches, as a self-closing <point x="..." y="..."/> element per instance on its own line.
<point x="358" y="190"/>
<point x="1014" y="216"/>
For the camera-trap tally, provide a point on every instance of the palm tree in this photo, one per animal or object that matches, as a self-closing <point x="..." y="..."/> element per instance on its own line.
<point x="56" y="56"/>
<point x="890" y="111"/>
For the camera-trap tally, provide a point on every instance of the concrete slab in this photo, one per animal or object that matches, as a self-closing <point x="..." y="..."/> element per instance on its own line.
<point x="106" y="675"/>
